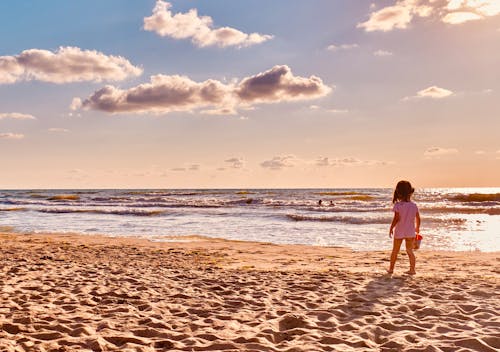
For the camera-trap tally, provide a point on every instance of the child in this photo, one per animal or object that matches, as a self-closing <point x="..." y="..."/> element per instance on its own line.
<point x="405" y="224"/>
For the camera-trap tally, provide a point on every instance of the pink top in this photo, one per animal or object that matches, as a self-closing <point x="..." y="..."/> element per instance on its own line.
<point x="405" y="227"/>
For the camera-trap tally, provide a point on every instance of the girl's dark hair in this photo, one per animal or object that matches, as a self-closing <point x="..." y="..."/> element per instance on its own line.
<point x="403" y="191"/>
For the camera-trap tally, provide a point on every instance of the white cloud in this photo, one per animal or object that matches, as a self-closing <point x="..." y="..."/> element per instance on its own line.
<point x="58" y="129"/>
<point x="382" y="53"/>
<point x="67" y="64"/>
<point x="10" y="135"/>
<point x="334" y="47"/>
<point x="402" y="12"/>
<point x="461" y="17"/>
<point x="235" y="163"/>
<point x="166" y="94"/>
<point x="434" y="92"/>
<point x="279" y="162"/>
<point x="199" y="29"/>
<point x="390" y="17"/>
<point x="439" y="151"/>
<point x="16" y="116"/>
<point x="76" y="104"/>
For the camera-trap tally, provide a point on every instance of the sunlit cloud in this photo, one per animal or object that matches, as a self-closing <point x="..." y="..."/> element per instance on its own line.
<point x="388" y="18"/>
<point x="58" y="130"/>
<point x="10" y="135"/>
<point x="347" y="162"/>
<point x="461" y="17"/>
<point x="337" y="111"/>
<point x="16" y="116"/>
<point x="334" y="47"/>
<point x="279" y="84"/>
<point x="235" y="163"/>
<point x="402" y="12"/>
<point x="432" y="92"/>
<point x="199" y="29"/>
<point x="166" y="94"/>
<point x="479" y="152"/>
<point x="382" y="53"/>
<point x="279" y="162"/>
<point x="439" y="151"/>
<point x="67" y="64"/>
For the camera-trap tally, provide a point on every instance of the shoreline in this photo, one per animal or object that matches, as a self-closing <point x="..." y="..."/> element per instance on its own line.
<point x="69" y="292"/>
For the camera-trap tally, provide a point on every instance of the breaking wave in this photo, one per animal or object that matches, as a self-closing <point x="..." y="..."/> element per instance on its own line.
<point x="476" y="197"/>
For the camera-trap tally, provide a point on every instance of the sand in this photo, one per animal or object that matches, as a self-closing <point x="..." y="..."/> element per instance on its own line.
<point x="93" y="293"/>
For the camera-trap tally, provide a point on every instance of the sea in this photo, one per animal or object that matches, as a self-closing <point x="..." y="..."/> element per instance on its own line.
<point x="453" y="219"/>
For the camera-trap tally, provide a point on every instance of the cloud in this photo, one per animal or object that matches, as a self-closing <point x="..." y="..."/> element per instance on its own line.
<point x="402" y="12"/>
<point x="16" y="116"/>
<point x="66" y="65"/>
<point x="166" y="94"/>
<point x="279" y="84"/>
<point x="347" y="161"/>
<point x="434" y="92"/>
<point x="58" y="130"/>
<point x="439" y="151"/>
<point x="279" y="162"/>
<point x="337" y="111"/>
<point x="390" y="17"/>
<point x="461" y="17"/>
<point x="194" y="167"/>
<point x="382" y="53"/>
<point x="199" y="29"/>
<point x="235" y="163"/>
<point x="10" y="135"/>
<point x="76" y="104"/>
<point x="334" y="47"/>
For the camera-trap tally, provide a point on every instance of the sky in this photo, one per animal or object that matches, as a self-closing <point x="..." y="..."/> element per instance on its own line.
<point x="249" y="94"/>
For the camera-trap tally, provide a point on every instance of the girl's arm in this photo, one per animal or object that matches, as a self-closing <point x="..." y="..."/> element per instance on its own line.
<point x="394" y="222"/>
<point x="417" y="225"/>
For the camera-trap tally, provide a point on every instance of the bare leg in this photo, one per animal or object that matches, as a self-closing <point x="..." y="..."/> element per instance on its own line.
<point x="409" y="243"/>
<point x="394" y="255"/>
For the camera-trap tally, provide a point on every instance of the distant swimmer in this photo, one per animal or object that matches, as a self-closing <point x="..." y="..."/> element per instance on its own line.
<point x="332" y="204"/>
<point x="320" y="202"/>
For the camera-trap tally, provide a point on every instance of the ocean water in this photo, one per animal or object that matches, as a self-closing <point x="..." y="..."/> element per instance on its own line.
<point x="455" y="219"/>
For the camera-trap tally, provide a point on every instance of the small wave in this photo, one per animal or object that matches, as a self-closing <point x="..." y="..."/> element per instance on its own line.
<point x="37" y="195"/>
<point x="340" y="193"/>
<point x="241" y="201"/>
<point x="460" y="210"/>
<point x="476" y="197"/>
<point x="104" y="212"/>
<point x="64" y="197"/>
<point x="13" y="209"/>
<point x="449" y="222"/>
<point x="342" y="219"/>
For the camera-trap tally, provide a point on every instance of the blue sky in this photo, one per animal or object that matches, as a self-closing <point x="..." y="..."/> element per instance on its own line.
<point x="362" y="102"/>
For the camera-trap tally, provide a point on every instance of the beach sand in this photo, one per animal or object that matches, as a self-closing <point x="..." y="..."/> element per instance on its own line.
<point x="95" y="293"/>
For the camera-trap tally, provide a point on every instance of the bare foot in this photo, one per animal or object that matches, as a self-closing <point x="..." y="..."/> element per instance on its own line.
<point x="390" y="271"/>
<point x="411" y="272"/>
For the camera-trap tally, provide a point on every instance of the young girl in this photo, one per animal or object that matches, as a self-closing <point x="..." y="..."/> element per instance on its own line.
<point x="405" y="224"/>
